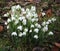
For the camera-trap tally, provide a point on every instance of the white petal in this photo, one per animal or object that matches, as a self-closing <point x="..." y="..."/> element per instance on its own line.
<point x="36" y="30"/>
<point x="9" y="20"/>
<point x="19" y="27"/>
<point x="36" y="36"/>
<point x="30" y="31"/>
<point x="24" y="33"/>
<point x="14" y="33"/>
<point x="32" y="26"/>
<point x="26" y="30"/>
<point x="20" y="34"/>
<point x="50" y="33"/>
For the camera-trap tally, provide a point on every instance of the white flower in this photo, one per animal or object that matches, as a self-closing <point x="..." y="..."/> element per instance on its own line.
<point x="49" y="21"/>
<point x="7" y="26"/>
<point x="25" y="30"/>
<point x="33" y="20"/>
<point x="36" y="19"/>
<point x="24" y="12"/>
<point x="41" y="10"/>
<point x="24" y="33"/>
<point x="6" y="23"/>
<point x="14" y="33"/>
<point x="28" y="17"/>
<point x="30" y="31"/>
<point x="20" y="34"/>
<point x="29" y="14"/>
<point x="24" y="21"/>
<point x="13" y="8"/>
<point x="22" y="9"/>
<point x="44" y="23"/>
<point x="20" y="18"/>
<point x="35" y="15"/>
<point x="53" y="19"/>
<point x="6" y="15"/>
<point x="45" y="28"/>
<point x="19" y="27"/>
<point x="36" y="36"/>
<point x="38" y="25"/>
<point x="50" y="33"/>
<point x="16" y="22"/>
<point x="18" y="7"/>
<point x="27" y="10"/>
<point x="9" y="20"/>
<point x="43" y="14"/>
<point x="36" y="30"/>
<point x="32" y="26"/>
<point x="33" y="8"/>
<point x="12" y="18"/>
<point x="23" y="17"/>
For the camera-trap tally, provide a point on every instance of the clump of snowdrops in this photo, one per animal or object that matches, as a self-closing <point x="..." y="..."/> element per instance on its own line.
<point x="24" y="27"/>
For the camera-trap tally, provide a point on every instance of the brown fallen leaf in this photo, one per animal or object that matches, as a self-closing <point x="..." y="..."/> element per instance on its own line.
<point x="39" y="14"/>
<point x="49" y="12"/>
<point x="30" y="0"/>
<point x="1" y="28"/>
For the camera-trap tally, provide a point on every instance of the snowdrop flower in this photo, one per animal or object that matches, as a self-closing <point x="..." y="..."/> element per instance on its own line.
<point x="19" y="27"/>
<point x="32" y="26"/>
<point x="6" y="23"/>
<point x="44" y="23"/>
<point x="27" y="10"/>
<point x="38" y="25"/>
<point x="53" y="19"/>
<point x="9" y="20"/>
<point x="29" y="14"/>
<point x="20" y="18"/>
<point x="41" y="10"/>
<point x="36" y="19"/>
<point x="33" y="20"/>
<point x="13" y="8"/>
<point x="18" y="7"/>
<point x="36" y="30"/>
<point x="28" y="17"/>
<point x="36" y="36"/>
<point x="35" y="15"/>
<point x="23" y="17"/>
<point x="25" y="30"/>
<point x="33" y="8"/>
<point x="49" y="21"/>
<point x="30" y="31"/>
<point x="24" y="12"/>
<point x="20" y="34"/>
<point x="14" y="34"/>
<point x="43" y="14"/>
<point x="24" y="21"/>
<point x="16" y="22"/>
<point x="24" y="33"/>
<point x="6" y="15"/>
<point x="45" y="28"/>
<point x="50" y="33"/>
<point x="22" y="9"/>
<point x="7" y="26"/>
<point x="12" y="18"/>
<point x="12" y="14"/>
